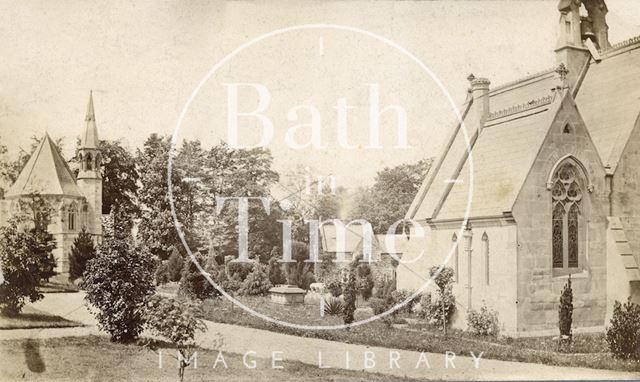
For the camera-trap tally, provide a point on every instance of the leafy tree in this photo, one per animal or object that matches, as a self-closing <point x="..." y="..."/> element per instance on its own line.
<point x="22" y="269"/>
<point x="389" y="198"/>
<point x="82" y="251"/>
<point x="176" y="322"/>
<point x="118" y="281"/>
<point x="565" y="313"/>
<point x="157" y="227"/>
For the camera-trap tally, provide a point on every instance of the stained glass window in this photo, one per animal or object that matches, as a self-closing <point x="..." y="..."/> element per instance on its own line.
<point x="566" y="195"/>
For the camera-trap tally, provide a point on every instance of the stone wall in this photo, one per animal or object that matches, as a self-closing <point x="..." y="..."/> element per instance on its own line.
<point x="625" y="199"/>
<point x="539" y="286"/>
<point x="498" y="293"/>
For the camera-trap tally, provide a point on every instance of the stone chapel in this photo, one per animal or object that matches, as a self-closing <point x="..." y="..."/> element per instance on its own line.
<point x="541" y="183"/>
<point x="76" y="200"/>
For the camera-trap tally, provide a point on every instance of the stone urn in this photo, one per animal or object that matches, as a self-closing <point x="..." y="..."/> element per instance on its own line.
<point x="287" y="294"/>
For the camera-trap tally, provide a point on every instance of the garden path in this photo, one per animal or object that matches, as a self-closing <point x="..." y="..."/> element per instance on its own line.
<point x="241" y="340"/>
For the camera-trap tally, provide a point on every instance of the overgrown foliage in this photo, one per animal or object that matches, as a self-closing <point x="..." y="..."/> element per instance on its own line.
<point x="623" y="333"/>
<point x="118" y="281"/>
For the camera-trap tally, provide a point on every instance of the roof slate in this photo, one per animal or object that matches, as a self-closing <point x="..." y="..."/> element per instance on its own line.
<point x="609" y="102"/>
<point x="45" y="173"/>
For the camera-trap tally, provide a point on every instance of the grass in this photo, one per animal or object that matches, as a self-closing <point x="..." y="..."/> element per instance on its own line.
<point x="31" y="318"/>
<point x="589" y="350"/>
<point x="95" y="358"/>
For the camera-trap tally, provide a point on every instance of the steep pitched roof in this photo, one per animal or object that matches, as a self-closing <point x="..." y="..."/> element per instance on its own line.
<point x="502" y="153"/>
<point x="45" y="173"/>
<point x="502" y="157"/>
<point x="609" y="99"/>
<point x="89" y="138"/>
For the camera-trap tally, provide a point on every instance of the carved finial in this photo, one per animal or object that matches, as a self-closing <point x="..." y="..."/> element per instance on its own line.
<point x="471" y="77"/>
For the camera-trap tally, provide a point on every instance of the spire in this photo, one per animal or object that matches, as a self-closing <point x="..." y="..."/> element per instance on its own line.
<point x="89" y="138"/>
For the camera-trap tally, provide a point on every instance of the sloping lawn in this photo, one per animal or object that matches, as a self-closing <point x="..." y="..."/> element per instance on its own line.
<point x="31" y="318"/>
<point x="590" y="350"/>
<point x="95" y="358"/>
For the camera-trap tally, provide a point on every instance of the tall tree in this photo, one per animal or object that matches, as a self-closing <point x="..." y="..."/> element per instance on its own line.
<point x="157" y="227"/>
<point x="388" y="200"/>
<point x="82" y="251"/>
<point x="119" y="179"/>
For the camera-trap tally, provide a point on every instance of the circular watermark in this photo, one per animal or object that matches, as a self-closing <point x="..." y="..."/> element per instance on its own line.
<point x="376" y="37"/>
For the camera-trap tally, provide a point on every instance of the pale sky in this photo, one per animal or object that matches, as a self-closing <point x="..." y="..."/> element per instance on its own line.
<point x="143" y="59"/>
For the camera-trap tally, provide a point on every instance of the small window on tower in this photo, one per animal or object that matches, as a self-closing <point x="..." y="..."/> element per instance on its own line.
<point x="89" y="162"/>
<point x="567" y="129"/>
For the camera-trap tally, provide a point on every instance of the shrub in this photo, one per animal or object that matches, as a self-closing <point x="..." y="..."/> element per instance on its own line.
<point x="257" y="282"/>
<point x="623" y="336"/>
<point x="82" y="251"/>
<point x="238" y="269"/>
<point x="380" y="306"/>
<point x="229" y="284"/>
<point x="483" y="322"/>
<point x="118" y="281"/>
<point x="23" y="267"/>
<point x="193" y="284"/>
<point x="276" y="276"/>
<point x="175" y="265"/>
<point x="384" y="287"/>
<point x="365" y="281"/>
<point x="176" y="322"/>
<point x="565" y="313"/>
<point x="333" y="306"/>
<point x="334" y="286"/>
<point x="349" y="295"/>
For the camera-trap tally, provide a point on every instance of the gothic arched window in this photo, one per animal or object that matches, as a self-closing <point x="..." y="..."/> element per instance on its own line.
<point x="566" y="194"/>
<point x="73" y="212"/>
<point x="89" y="162"/>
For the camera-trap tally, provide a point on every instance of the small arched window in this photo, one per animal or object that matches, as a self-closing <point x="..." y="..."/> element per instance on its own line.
<point x="89" y="162"/>
<point x="485" y="255"/>
<point x="567" y="220"/>
<point x="456" y="265"/>
<point x="72" y="216"/>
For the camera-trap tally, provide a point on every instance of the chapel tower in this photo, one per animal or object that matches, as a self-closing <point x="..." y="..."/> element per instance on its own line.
<point x="89" y="178"/>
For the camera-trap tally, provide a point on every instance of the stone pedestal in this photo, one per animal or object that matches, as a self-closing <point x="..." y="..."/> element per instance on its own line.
<point x="287" y="295"/>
